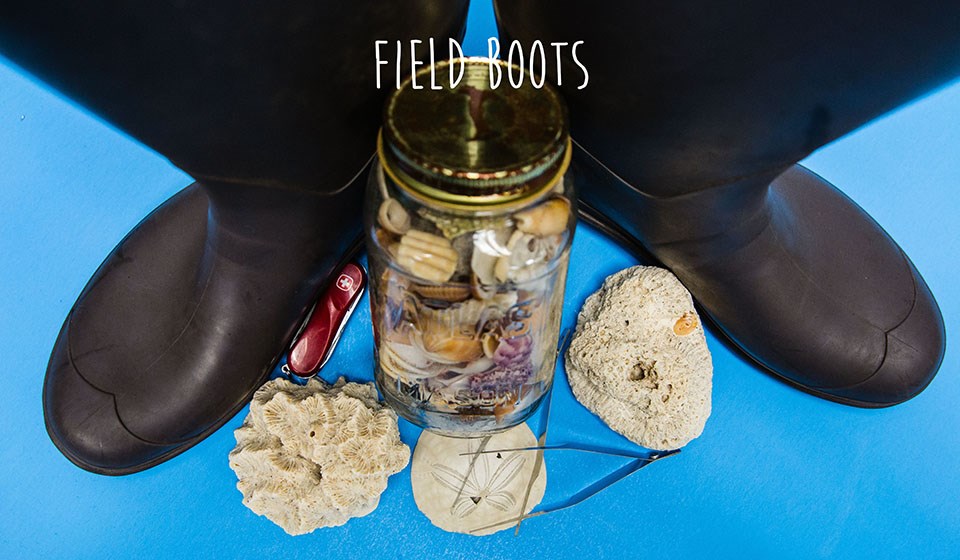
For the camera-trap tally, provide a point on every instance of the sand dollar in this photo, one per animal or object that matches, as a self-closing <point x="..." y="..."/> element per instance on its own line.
<point x="494" y="490"/>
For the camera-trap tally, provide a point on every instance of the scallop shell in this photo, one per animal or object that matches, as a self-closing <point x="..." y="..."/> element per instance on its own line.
<point x="393" y="217"/>
<point x="427" y="256"/>
<point x="406" y="362"/>
<point x="455" y="348"/>
<point x="448" y="293"/>
<point x="470" y="314"/>
<point x="450" y="335"/>
<point x="453" y="335"/>
<point x="549" y="218"/>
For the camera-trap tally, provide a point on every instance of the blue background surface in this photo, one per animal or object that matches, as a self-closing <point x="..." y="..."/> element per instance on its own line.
<point x="777" y="473"/>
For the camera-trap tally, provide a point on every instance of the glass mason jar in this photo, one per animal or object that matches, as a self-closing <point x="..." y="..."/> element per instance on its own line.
<point x="469" y="218"/>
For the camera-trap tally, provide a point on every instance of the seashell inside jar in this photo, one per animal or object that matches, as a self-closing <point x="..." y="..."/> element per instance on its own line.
<point x="469" y="263"/>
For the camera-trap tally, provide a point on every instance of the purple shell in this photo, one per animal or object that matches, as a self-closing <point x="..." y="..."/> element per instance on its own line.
<point x="513" y="351"/>
<point x="513" y="367"/>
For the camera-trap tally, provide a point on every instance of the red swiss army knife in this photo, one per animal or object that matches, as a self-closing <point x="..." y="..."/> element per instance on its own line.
<point x="314" y="344"/>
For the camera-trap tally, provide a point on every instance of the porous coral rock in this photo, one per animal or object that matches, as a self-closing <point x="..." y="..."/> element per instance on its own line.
<point x="629" y="366"/>
<point x="316" y="455"/>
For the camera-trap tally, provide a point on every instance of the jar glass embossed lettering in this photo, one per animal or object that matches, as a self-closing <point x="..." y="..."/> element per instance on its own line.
<point x="469" y="219"/>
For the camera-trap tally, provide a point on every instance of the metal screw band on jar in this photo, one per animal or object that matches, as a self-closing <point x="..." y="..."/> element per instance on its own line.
<point x="472" y="145"/>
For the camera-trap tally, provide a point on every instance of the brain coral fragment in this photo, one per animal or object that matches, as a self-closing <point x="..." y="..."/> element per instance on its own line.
<point x="316" y="455"/>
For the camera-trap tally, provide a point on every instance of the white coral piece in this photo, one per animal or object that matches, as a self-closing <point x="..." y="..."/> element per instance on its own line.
<point x="628" y="364"/>
<point x="316" y="455"/>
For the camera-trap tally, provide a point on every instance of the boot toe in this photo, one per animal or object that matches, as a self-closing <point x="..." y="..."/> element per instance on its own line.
<point x="184" y="320"/>
<point x="83" y="422"/>
<point x="94" y="363"/>
<point x="807" y="284"/>
<point x="914" y="351"/>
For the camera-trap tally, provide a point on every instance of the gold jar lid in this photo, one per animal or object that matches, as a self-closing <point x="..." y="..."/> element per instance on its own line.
<point x="474" y="145"/>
